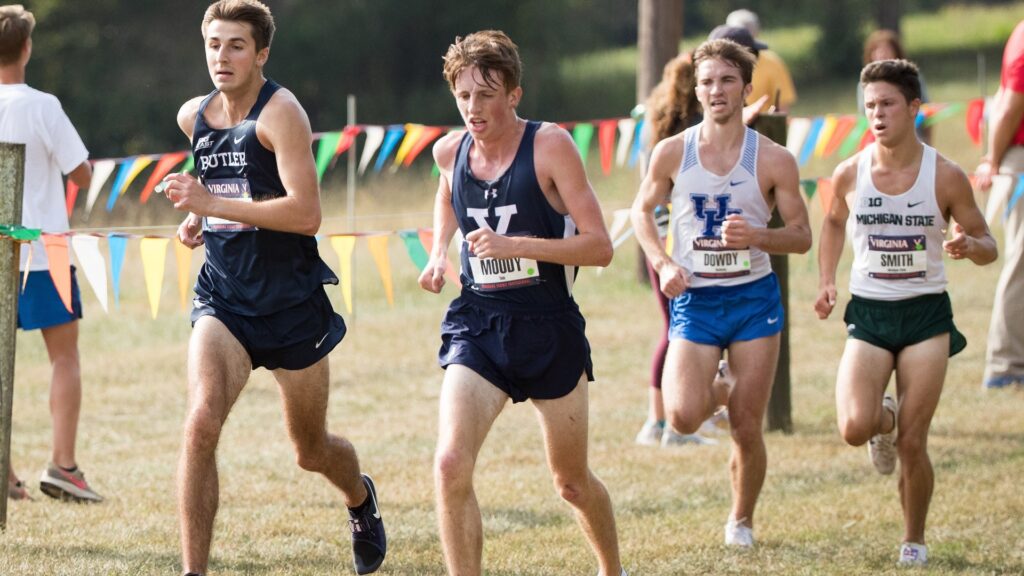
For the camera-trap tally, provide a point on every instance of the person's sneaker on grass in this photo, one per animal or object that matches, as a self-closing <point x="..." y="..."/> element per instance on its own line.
<point x="369" y="542"/>
<point x="67" y="485"/>
<point x="912" y="554"/>
<point x="882" y="447"/>
<point x="650" y="433"/>
<point x="739" y="534"/>
<point x="672" y="438"/>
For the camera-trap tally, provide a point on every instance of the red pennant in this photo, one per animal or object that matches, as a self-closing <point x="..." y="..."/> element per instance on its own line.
<point x="606" y="141"/>
<point x="71" y="195"/>
<point x="975" y="114"/>
<point x="430" y="133"/>
<point x="348" y="136"/>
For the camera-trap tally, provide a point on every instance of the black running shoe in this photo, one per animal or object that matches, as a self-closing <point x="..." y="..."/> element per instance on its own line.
<point x="369" y="543"/>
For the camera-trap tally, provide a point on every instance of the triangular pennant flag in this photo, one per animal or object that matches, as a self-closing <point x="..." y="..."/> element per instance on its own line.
<point x="868" y="138"/>
<point x="843" y="127"/>
<point x="325" y="152"/>
<point x="849" y="145"/>
<point x="117" y="245"/>
<point x="183" y="255"/>
<point x="190" y="164"/>
<point x="825" y="136"/>
<point x="87" y="251"/>
<point x="391" y="139"/>
<point x="947" y="111"/>
<point x="975" y="114"/>
<point x="414" y="248"/>
<point x="796" y="134"/>
<point x="619" y="220"/>
<point x="101" y="170"/>
<point x="606" y="144"/>
<point x="154" y="258"/>
<point x="634" y="152"/>
<point x="129" y="170"/>
<point x="374" y="136"/>
<point x="810" y="187"/>
<point x="427" y="135"/>
<point x="378" y="246"/>
<point x="812" y="140"/>
<point x="162" y="168"/>
<point x="343" y="246"/>
<point x="582" y="134"/>
<point x="60" y="266"/>
<point x="427" y="239"/>
<point x="412" y="135"/>
<point x="71" y="196"/>
<point x="348" y="137"/>
<point x="1018" y="191"/>
<point x="626" y="126"/>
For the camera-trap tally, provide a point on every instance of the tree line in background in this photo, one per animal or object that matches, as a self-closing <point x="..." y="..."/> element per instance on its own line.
<point x="122" y="69"/>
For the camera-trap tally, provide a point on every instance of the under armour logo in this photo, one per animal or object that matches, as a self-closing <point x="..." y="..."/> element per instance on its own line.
<point x="490" y="193"/>
<point x="713" y="219"/>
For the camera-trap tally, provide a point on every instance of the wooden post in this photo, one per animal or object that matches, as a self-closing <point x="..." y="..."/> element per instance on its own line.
<point x="659" y="30"/>
<point x="12" y="185"/>
<point x="780" y="410"/>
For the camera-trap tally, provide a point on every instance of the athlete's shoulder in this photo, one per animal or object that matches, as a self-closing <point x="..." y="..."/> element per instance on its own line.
<point x="773" y="151"/>
<point x="553" y="142"/>
<point x="446" y="148"/>
<point x="283" y="106"/>
<point x="187" y="114"/>
<point x="844" y="177"/>
<point x="949" y="173"/>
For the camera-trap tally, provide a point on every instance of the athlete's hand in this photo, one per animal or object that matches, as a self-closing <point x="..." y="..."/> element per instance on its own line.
<point x="674" y="279"/>
<point x="983" y="175"/>
<point x="190" y="232"/>
<point x="486" y="243"/>
<point x="188" y="194"/>
<point x="826" y="301"/>
<point x="959" y="246"/>
<point x="737" y="232"/>
<point x="432" y="277"/>
<point x="752" y="111"/>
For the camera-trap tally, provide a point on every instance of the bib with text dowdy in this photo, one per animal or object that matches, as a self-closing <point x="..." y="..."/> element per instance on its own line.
<point x="491" y="274"/>
<point x="711" y="259"/>
<point x="236" y="189"/>
<point x="897" y="257"/>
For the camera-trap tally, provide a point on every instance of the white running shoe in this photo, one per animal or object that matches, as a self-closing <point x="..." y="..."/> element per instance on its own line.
<point x="651" y="433"/>
<point x="882" y="447"/>
<point x="672" y="438"/>
<point x="716" y="425"/>
<point x="739" y="534"/>
<point x="912" y="554"/>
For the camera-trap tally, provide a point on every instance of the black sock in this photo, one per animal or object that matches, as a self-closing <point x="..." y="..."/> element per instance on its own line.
<point x="362" y="507"/>
<point x="71" y="470"/>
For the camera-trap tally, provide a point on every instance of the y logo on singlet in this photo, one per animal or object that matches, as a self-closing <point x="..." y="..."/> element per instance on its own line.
<point x="504" y="214"/>
<point x="713" y="218"/>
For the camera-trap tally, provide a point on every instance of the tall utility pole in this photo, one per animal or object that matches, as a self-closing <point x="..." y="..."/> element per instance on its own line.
<point x="659" y="30"/>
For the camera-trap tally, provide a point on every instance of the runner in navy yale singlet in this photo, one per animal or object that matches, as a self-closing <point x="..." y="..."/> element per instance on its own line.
<point x="249" y="271"/>
<point x="512" y="205"/>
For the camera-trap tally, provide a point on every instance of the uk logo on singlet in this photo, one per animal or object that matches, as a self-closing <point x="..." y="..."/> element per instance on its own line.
<point x="712" y="213"/>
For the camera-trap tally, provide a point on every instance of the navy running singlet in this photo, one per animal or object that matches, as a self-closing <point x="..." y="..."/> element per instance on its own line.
<point x="249" y="271"/>
<point x="512" y="205"/>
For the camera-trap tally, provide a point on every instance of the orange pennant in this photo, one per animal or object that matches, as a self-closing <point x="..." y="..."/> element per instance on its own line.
<point x="60" y="266"/>
<point x="606" y="141"/>
<point x="163" y="166"/>
<point x="427" y="239"/>
<point x="429" y="134"/>
<point x="71" y="195"/>
<point x="843" y="127"/>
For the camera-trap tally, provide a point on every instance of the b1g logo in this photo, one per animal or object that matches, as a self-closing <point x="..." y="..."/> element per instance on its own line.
<point x="714" y="214"/>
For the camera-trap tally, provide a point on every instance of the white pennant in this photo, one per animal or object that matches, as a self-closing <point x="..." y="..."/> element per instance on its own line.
<point x="374" y="137"/>
<point x="101" y="170"/>
<point x="87" y="251"/>
<point x="626" y="128"/>
<point x="798" y="129"/>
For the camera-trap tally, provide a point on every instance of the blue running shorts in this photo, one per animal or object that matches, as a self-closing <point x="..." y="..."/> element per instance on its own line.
<point x="720" y="315"/>
<point x="291" y="339"/>
<point x="527" y="351"/>
<point x="40" y="306"/>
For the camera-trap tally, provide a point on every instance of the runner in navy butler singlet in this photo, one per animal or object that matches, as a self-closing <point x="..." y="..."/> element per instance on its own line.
<point x="260" y="299"/>
<point x="518" y="193"/>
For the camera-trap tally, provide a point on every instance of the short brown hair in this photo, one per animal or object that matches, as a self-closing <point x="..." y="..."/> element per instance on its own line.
<point x="879" y="37"/>
<point x="252" y="12"/>
<point x="902" y="74"/>
<point x="16" y="26"/>
<point x="488" y="50"/>
<point x="728" y="51"/>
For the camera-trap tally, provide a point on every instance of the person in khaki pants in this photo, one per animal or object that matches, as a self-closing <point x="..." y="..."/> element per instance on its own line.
<point x="1004" y="359"/>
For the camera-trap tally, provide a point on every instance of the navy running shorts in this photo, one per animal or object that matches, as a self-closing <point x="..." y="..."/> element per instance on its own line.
<point x="40" y="306"/>
<point x="526" y="351"/>
<point x="896" y="324"/>
<point x="720" y="315"/>
<point x="292" y="339"/>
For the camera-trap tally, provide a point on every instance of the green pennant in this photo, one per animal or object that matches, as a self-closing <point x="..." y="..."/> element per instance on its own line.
<point x="810" y="187"/>
<point x="325" y="152"/>
<point x="20" y="232"/>
<point x="190" y="163"/>
<point x="849" y="146"/>
<point x="415" y="249"/>
<point x="951" y="110"/>
<point x="582" y="134"/>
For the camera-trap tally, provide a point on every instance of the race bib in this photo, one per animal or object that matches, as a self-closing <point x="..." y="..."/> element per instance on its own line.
<point x="711" y="259"/>
<point x="236" y="189"/>
<point x="897" y="257"/>
<point x="491" y="274"/>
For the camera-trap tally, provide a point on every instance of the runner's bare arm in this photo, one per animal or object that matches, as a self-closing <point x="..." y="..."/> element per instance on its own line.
<point x="833" y="235"/>
<point x="656" y="189"/>
<point x="971" y="237"/>
<point x="445" y="224"/>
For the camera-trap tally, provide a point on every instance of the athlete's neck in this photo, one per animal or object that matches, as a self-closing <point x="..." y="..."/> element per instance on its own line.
<point x="12" y="73"/>
<point x="498" y="149"/>
<point x="900" y="154"/>
<point x="722" y="137"/>
<point x="236" y="104"/>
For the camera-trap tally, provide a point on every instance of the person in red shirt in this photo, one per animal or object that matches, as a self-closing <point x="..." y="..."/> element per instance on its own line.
<point x="1004" y="359"/>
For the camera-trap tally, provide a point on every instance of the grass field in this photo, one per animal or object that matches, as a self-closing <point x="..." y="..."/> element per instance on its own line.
<point x="823" y="509"/>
